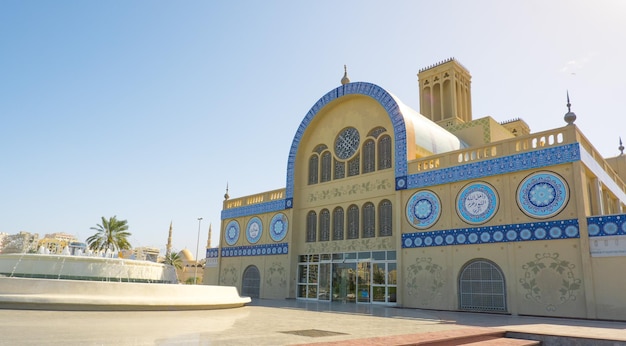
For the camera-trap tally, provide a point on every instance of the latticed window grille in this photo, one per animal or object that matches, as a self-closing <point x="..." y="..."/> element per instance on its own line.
<point x="338" y="223"/>
<point x="375" y="132"/>
<point x="369" y="220"/>
<point x="384" y="152"/>
<point x="384" y="218"/>
<point x="481" y="287"/>
<point x="353" y="222"/>
<point x="353" y="166"/>
<point x="324" y="225"/>
<point x="326" y="167"/>
<point x="340" y="169"/>
<point x="313" y="169"/>
<point x="311" y="227"/>
<point x="369" y="156"/>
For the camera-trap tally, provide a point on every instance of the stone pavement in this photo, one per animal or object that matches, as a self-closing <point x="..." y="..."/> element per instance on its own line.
<point x="271" y="322"/>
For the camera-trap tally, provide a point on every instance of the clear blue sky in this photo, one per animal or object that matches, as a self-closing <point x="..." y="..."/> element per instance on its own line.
<point x="147" y="109"/>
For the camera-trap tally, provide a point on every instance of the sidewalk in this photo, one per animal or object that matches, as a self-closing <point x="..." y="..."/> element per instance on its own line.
<point x="270" y="322"/>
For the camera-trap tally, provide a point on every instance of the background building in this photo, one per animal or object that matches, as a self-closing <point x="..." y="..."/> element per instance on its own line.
<point x="438" y="210"/>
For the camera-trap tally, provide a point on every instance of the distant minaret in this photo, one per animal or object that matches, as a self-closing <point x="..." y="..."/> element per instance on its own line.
<point x="445" y="93"/>
<point x="168" y="248"/>
<point x="208" y="242"/>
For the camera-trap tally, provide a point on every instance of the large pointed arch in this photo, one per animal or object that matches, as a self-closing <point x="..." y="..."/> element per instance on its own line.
<point x="385" y="99"/>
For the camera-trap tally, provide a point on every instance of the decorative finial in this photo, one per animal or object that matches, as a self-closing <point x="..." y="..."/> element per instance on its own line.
<point x="345" y="80"/>
<point x="226" y="196"/>
<point x="569" y="117"/>
<point x="621" y="147"/>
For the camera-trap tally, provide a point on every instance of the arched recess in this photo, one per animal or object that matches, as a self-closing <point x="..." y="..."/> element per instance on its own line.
<point x="482" y="287"/>
<point x="251" y="282"/>
<point x="386" y="100"/>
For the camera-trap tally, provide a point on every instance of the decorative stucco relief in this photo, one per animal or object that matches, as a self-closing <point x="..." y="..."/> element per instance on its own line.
<point x="383" y="243"/>
<point x="354" y="189"/>
<point x="425" y="280"/>
<point x="276" y="275"/>
<point x="229" y="276"/>
<point x="550" y="281"/>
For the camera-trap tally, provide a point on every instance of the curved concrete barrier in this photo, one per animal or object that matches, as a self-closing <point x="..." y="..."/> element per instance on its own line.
<point x="45" y="294"/>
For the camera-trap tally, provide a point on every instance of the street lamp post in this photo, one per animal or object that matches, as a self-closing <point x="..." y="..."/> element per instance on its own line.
<point x="195" y="275"/>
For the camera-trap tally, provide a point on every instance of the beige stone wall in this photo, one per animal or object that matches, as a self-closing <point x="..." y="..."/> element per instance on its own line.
<point x="609" y="282"/>
<point x="542" y="278"/>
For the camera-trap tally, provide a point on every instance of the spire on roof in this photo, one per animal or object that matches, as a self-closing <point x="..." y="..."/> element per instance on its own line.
<point x="345" y="80"/>
<point x="621" y="147"/>
<point x="226" y="196"/>
<point x="569" y="117"/>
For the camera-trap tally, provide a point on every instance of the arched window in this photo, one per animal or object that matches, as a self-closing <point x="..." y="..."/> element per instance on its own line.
<point x="353" y="222"/>
<point x="369" y="220"/>
<point x="384" y="218"/>
<point x="481" y="287"/>
<point x="338" y="223"/>
<point x="311" y="227"/>
<point x="326" y="167"/>
<point x="353" y="166"/>
<point x="324" y="225"/>
<point x="251" y="282"/>
<point x="369" y="156"/>
<point x="340" y="169"/>
<point x="313" y="169"/>
<point x="384" y="152"/>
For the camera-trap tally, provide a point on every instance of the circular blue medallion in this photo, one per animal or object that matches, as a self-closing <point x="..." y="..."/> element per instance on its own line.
<point x="571" y="231"/>
<point x="610" y="228"/>
<point x="231" y="234"/>
<point x="477" y="203"/>
<point x="461" y="238"/>
<point x="278" y="227"/>
<point x="423" y="209"/>
<point x="556" y="232"/>
<point x="254" y="230"/>
<point x="542" y="195"/>
<point x="498" y="236"/>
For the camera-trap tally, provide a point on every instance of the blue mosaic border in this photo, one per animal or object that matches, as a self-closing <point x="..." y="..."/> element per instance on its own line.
<point x="254" y="209"/>
<point x="359" y="88"/>
<point x="507" y="164"/>
<point x="212" y="252"/>
<point x="256" y="250"/>
<point x="564" y="229"/>
<point x="606" y="225"/>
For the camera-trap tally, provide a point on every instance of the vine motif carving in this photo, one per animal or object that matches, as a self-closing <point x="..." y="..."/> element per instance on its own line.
<point x="276" y="275"/>
<point x="379" y="184"/>
<point x="550" y="281"/>
<point x="229" y="276"/>
<point x="382" y="243"/>
<point x="425" y="279"/>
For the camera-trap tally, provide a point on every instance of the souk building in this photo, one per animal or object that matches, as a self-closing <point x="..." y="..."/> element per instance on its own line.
<point x="433" y="209"/>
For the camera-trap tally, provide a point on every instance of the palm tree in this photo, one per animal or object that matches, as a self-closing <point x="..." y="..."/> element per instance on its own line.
<point x="174" y="260"/>
<point x="112" y="235"/>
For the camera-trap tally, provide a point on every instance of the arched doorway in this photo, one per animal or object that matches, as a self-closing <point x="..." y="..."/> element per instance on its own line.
<point x="251" y="282"/>
<point x="482" y="287"/>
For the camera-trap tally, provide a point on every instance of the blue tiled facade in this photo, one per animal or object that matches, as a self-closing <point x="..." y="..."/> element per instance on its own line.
<point x="254" y="250"/>
<point x="551" y="230"/>
<point x="608" y="225"/>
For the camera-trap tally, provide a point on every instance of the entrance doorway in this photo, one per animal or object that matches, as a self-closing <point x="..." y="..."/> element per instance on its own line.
<point x="344" y="282"/>
<point x="351" y="277"/>
<point x="251" y="282"/>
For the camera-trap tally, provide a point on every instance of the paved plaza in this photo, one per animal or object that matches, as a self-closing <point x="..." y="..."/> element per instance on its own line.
<point x="270" y="322"/>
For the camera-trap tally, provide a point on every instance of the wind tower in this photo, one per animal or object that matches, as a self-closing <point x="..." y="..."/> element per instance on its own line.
<point x="445" y="93"/>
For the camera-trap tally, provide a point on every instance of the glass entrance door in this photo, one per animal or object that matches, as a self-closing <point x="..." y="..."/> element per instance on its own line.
<point x="344" y="282"/>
